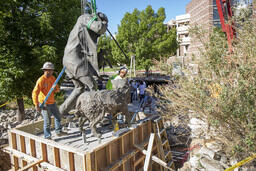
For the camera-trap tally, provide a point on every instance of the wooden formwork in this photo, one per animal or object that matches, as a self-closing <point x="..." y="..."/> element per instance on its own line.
<point x="28" y="149"/>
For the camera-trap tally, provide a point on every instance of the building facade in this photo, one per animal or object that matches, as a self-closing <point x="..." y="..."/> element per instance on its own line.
<point x="181" y="23"/>
<point x="203" y="13"/>
<point x="182" y="27"/>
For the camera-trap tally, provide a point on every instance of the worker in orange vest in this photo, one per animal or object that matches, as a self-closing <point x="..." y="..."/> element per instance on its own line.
<point x="43" y="86"/>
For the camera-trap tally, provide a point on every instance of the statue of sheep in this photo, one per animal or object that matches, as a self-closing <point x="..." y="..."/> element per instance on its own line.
<point x="92" y="105"/>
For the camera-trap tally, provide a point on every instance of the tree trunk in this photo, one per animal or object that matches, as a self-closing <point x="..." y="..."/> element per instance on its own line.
<point x="147" y="71"/>
<point x="21" y="111"/>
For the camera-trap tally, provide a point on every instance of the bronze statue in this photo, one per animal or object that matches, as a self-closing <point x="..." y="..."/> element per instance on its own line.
<point x="94" y="105"/>
<point x="80" y="56"/>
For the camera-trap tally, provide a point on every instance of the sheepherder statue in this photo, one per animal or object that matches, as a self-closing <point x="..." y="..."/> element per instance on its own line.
<point x="80" y="56"/>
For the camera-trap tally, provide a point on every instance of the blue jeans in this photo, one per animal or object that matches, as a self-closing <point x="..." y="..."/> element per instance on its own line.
<point x="47" y="112"/>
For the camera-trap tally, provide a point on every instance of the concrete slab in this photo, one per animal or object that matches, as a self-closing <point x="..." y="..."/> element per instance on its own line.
<point x="74" y="138"/>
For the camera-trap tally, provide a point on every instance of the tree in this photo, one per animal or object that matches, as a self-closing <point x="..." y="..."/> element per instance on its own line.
<point x="104" y="51"/>
<point x="224" y="90"/>
<point x="143" y="34"/>
<point x="31" y="33"/>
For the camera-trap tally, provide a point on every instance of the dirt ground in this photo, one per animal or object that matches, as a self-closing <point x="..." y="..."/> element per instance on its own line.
<point x="5" y="163"/>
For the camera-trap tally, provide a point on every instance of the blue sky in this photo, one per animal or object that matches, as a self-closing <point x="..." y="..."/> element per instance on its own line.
<point x="115" y="9"/>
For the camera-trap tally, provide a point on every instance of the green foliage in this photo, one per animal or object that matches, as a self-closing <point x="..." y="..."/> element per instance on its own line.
<point x="224" y="90"/>
<point x="143" y="34"/>
<point x="31" y="33"/>
<point x="104" y="43"/>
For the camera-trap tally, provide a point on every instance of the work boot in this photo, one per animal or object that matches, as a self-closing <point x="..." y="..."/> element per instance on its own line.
<point x="61" y="133"/>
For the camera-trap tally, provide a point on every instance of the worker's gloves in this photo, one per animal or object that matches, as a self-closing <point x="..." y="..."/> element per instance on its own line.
<point x="38" y="109"/>
<point x="103" y="17"/>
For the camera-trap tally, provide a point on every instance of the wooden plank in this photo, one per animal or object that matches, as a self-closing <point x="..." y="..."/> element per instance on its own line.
<point x="159" y="146"/>
<point x="139" y="160"/>
<point x="56" y="152"/>
<point x="122" y="160"/>
<point x="154" y="158"/>
<point x="95" y="160"/>
<point x="32" y="147"/>
<point x="108" y="154"/>
<point x="23" y="149"/>
<point x="133" y="158"/>
<point x="31" y="165"/>
<point x="149" y="152"/>
<point x="44" y="152"/>
<point x="14" y="146"/>
<point x="37" y="126"/>
<point x="122" y="146"/>
<point x="33" y="151"/>
<point x="71" y="161"/>
<point x="29" y="158"/>
<point x="88" y="162"/>
<point x="142" y="133"/>
<point x="48" y="142"/>
<point x="149" y="128"/>
<point x="84" y="163"/>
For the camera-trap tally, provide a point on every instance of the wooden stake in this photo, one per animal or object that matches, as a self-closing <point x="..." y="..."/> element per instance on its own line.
<point x="149" y="151"/>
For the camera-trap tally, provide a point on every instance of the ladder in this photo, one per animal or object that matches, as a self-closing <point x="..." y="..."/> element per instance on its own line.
<point x="163" y="146"/>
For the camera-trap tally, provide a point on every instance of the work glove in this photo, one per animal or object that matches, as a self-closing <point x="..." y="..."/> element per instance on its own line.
<point x="38" y="109"/>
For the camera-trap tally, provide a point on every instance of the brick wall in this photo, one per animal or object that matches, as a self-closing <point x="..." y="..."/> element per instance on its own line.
<point x="201" y="14"/>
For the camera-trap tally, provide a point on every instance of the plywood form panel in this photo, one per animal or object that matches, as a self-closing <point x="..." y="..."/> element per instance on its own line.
<point x="100" y="158"/>
<point x="79" y="162"/>
<point x="128" y="142"/>
<point x="115" y="150"/>
<point x="64" y="159"/>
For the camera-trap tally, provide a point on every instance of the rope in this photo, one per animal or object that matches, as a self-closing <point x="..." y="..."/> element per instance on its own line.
<point x="93" y="2"/>
<point x="90" y="22"/>
<point x="94" y="6"/>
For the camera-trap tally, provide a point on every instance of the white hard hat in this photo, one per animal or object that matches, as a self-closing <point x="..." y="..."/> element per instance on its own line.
<point x="123" y="68"/>
<point x="48" y="65"/>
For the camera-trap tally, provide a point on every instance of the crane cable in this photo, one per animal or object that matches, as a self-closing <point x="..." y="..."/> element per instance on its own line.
<point x="93" y="6"/>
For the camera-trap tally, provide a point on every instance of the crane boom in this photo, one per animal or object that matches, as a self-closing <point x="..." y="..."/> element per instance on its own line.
<point x="225" y="13"/>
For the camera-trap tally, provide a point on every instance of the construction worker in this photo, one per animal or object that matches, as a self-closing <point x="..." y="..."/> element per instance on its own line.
<point x="121" y="75"/>
<point x="43" y="86"/>
<point x="80" y="56"/>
